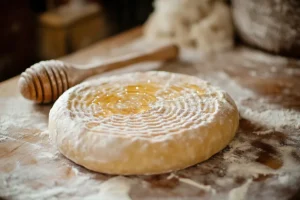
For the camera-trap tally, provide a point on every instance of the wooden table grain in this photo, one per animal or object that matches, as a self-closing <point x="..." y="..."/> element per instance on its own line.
<point x="262" y="162"/>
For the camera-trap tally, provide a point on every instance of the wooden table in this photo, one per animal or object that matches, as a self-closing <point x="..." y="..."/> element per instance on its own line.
<point x="262" y="162"/>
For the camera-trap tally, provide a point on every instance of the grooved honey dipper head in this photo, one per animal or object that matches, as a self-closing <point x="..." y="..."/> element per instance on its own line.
<point x="44" y="82"/>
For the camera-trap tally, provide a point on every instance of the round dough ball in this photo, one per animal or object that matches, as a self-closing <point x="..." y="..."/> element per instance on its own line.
<point x="142" y="123"/>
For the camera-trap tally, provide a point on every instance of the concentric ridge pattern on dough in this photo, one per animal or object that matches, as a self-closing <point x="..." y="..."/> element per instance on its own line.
<point x="142" y="123"/>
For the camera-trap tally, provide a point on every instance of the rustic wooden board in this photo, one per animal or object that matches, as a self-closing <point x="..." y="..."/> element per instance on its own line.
<point x="262" y="162"/>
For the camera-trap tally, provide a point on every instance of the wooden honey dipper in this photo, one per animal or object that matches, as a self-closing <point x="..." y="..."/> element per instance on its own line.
<point x="45" y="81"/>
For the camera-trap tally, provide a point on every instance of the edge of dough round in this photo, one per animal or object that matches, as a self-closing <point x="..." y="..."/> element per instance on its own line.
<point x="121" y="151"/>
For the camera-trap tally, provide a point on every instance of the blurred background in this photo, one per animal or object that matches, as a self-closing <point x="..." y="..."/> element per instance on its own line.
<point x="34" y="30"/>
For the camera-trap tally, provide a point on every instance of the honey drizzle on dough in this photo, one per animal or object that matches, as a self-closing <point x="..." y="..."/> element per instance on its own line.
<point x="135" y="99"/>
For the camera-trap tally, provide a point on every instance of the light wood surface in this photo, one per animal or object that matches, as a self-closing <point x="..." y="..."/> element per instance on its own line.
<point x="261" y="163"/>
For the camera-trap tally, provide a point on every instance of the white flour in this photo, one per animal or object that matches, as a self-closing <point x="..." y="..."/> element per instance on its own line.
<point x="222" y="80"/>
<point x="239" y="193"/>
<point x="190" y="182"/>
<point x="198" y="185"/>
<point x="116" y="188"/>
<point x="43" y="173"/>
<point x="273" y="118"/>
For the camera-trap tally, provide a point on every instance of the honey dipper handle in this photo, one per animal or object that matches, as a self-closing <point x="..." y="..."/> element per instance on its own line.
<point x="163" y="53"/>
<point x="45" y="81"/>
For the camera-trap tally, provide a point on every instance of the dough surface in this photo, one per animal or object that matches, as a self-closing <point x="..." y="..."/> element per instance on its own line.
<point x="142" y="123"/>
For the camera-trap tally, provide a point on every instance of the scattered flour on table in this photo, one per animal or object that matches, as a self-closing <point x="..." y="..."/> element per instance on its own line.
<point x="245" y="165"/>
<point x="14" y="184"/>
<point x="273" y="118"/>
<point x="26" y="176"/>
<point x="240" y="193"/>
<point x="206" y="188"/>
<point x="84" y="186"/>
<point x="18" y="113"/>
<point x="222" y="80"/>
<point x="116" y="188"/>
